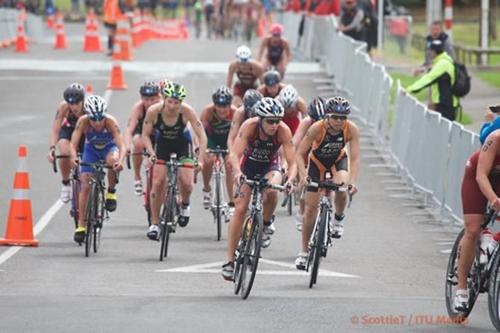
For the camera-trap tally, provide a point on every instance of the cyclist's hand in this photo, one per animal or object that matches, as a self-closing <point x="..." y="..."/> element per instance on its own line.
<point x="496" y="204"/>
<point x="238" y="177"/>
<point x="353" y="189"/>
<point x="129" y="150"/>
<point x="74" y="162"/>
<point x="52" y="155"/>
<point x="152" y="158"/>
<point x="117" y="166"/>
<point x="289" y="186"/>
<point x="304" y="181"/>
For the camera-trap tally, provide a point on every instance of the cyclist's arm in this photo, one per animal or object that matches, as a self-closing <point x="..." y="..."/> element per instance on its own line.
<point x="301" y="131"/>
<point x="198" y="129"/>
<point x="353" y="153"/>
<point x="288" y="151"/>
<point x="147" y="129"/>
<point x="236" y="151"/>
<point x="132" y="123"/>
<point x="302" y="107"/>
<point x="205" y="116"/>
<point x="259" y="70"/>
<point x="230" y="74"/>
<point x="61" y="113"/>
<point x="288" y="54"/>
<point x="114" y="129"/>
<point x="262" y="49"/>
<point x="235" y="126"/>
<point x="304" y="148"/>
<point x="485" y="164"/>
<point x="80" y="127"/>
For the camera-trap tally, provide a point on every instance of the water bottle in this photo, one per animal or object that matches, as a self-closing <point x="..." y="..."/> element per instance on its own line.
<point x="493" y="244"/>
<point x="485" y="240"/>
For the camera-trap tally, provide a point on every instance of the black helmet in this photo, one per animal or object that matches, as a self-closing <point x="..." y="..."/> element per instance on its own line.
<point x="149" y="89"/>
<point x="271" y="78"/>
<point x="338" y="105"/>
<point x="222" y="96"/>
<point x="316" y="109"/>
<point x="250" y="99"/>
<point x="75" y="93"/>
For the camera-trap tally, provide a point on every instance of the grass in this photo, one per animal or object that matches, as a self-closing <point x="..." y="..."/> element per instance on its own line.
<point x="490" y="77"/>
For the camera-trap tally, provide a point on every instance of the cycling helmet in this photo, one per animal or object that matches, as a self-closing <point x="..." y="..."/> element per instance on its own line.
<point x="316" y="109"/>
<point x="222" y="96"/>
<point x="251" y="98"/>
<point x="74" y="93"/>
<point x="271" y="78"/>
<point x="288" y="96"/>
<point x="270" y="108"/>
<point x="276" y="29"/>
<point x="95" y="107"/>
<point x="163" y="83"/>
<point x="338" y="105"/>
<point x="174" y="90"/>
<point x="243" y="53"/>
<point x="149" y="89"/>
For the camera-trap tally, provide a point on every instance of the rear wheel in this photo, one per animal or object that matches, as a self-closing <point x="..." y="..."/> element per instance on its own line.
<point x="494" y="291"/>
<point x="473" y="283"/>
<point x="317" y="247"/>
<point x="251" y="256"/>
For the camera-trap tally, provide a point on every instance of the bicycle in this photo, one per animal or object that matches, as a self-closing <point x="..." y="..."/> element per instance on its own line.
<point x="171" y="208"/>
<point x="482" y="278"/>
<point x="75" y="187"/>
<point x="147" y="191"/>
<point x="248" y="250"/>
<point x="219" y="207"/>
<point x="321" y="238"/>
<point x="96" y="212"/>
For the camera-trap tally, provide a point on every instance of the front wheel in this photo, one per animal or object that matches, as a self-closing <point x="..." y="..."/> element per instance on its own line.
<point x="494" y="291"/>
<point x="316" y="250"/>
<point x="90" y="217"/>
<point x="100" y="208"/>
<point x="167" y="221"/>
<point x="251" y="255"/>
<point x="240" y="254"/>
<point x="218" y="205"/>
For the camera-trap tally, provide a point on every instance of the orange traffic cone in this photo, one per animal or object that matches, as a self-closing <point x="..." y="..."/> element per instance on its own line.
<point x="89" y="89"/>
<point x="124" y="39"/>
<point x="60" y="36"/>
<point x="51" y="22"/>
<point x="20" y="221"/>
<point x="21" y="43"/>
<point x="92" y="42"/>
<point x="116" y="81"/>
<point x="136" y="29"/>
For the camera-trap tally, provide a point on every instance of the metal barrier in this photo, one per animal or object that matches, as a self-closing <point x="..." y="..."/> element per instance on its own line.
<point x="426" y="150"/>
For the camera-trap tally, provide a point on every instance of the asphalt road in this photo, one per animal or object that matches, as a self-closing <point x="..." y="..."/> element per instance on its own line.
<point x="385" y="275"/>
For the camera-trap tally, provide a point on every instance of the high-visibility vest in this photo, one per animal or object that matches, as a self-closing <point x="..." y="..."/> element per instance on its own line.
<point x="111" y="11"/>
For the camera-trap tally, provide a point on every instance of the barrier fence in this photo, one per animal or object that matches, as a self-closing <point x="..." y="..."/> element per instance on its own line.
<point x="8" y="25"/>
<point x="427" y="151"/>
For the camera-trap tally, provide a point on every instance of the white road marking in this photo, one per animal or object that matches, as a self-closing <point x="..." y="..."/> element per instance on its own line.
<point x="446" y="251"/>
<point x="50" y="78"/>
<point x="39" y="226"/>
<point x="214" y="268"/>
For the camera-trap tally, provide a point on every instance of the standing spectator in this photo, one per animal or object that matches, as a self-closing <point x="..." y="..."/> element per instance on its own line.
<point x="440" y="78"/>
<point x="435" y="33"/>
<point x="112" y="12"/>
<point x="370" y="22"/>
<point x="351" y="20"/>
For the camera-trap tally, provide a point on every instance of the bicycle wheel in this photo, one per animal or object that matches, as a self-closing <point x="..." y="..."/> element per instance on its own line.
<point x="217" y="204"/>
<point x="238" y="261"/>
<point x="75" y="184"/>
<point x="290" y="204"/>
<point x="317" y="246"/>
<point x="167" y="220"/>
<point x="251" y="256"/>
<point x="146" y="193"/>
<point x="90" y="220"/>
<point x="100" y="209"/>
<point x="494" y="291"/>
<point x="473" y="283"/>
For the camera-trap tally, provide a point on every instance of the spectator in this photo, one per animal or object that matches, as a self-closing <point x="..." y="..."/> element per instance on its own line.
<point x="399" y="29"/>
<point x="436" y="33"/>
<point x="440" y="78"/>
<point x="370" y="22"/>
<point x="352" y="20"/>
<point x="112" y="11"/>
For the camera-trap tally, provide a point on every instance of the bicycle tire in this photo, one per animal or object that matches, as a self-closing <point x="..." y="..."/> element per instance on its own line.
<point x="99" y="220"/>
<point x="452" y="280"/>
<point x="252" y="255"/>
<point x="290" y="204"/>
<point x="167" y="217"/>
<point x="90" y="220"/>
<point x="75" y="191"/>
<point x="147" y="204"/>
<point x="218" y="215"/>
<point x="494" y="291"/>
<point x="316" y="252"/>
<point x="239" y="258"/>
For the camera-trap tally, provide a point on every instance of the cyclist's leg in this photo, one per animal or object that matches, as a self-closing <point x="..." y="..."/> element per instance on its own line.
<point x="341" y="176"/>
<point x="157" y="195"/>
<point x="138" y="150"/>
<point x="229" y="178"/>
<point x="82" y="198"/>
<point x="280" y="67"/>
<point x="64" y="149"/>
<point x="270" y="199"/>
<point x="311" y="199"/>
<point x="207" y="172"/>
<point x="466" y="248"/>
<point x="236" y="224"/>
<point x="185" y="178"/>
<point x="266" y="64"/>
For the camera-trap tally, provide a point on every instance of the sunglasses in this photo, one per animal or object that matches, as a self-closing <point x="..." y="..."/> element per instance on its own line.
<point x="273" y="121"/>
<point x="96" y="119"/>
<point x="334" y="117"/>
<point x="73" y="102"/>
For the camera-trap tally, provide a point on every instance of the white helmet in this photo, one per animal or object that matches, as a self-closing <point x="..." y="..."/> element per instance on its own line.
<point x="243" y="53"/>
<point x="288" y="96"/>
<point x="269" y="108"/>
<point x="95" y="107"/>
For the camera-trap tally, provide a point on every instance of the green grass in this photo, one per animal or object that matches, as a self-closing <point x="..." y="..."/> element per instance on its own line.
<point x="490" y="77"/>
<point x="64" y="5"/>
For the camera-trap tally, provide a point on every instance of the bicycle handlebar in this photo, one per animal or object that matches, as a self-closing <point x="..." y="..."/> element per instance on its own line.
<point x="217" y="151"/>
<point x="331" y="186"/>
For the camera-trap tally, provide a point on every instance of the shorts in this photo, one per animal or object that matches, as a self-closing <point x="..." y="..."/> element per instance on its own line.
<point x="256" y="170"/>
<point x="93" y="155"/>
<point x="473" y="200"/>
<point x="292" y="123"/>
<point x="164" y="149"/>
<point x="66" y="132"/>
<point x="214" y="141"/>
<point x="317" y="173"/>
<point x="240" y="89"/>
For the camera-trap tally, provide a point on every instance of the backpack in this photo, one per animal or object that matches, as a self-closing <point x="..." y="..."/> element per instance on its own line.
<point x="461" y="87"/>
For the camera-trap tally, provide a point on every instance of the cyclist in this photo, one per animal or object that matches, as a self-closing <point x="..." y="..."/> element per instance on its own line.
<point x="250" y="101"/>
<point x="150" y="94"/>
<point x="257" y="145"/>
<point x="103" y="142"/>
<point x="170" y="119"/>
<point x="275" y="50"/>
<point x="67" y="115"/>
<point x="216" y="119"/>
<point x="294" y="105"/>
<point x="480" y="186"/>
<point x="248" y="72"/>
<point x="272" y="84"/>
<point x="326" y="140"/>
<point x="315" y="111"/>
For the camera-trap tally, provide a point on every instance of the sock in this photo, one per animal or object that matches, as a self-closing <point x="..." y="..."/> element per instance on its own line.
<point x="65" y="182"/>
<point x="184" y="205"/>
<point x="339" y="218"/>
<point x="112" y="190"/>
<point x="230" y="204"/>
